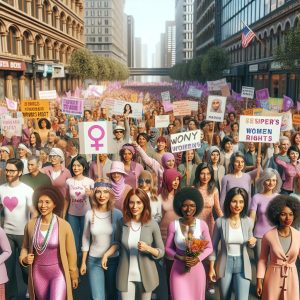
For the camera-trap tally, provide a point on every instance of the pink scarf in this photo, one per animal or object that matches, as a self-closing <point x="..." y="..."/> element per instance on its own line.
<point x="118" y="187"/>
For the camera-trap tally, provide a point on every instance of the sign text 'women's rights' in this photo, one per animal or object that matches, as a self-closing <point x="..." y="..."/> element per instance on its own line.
<point x="95" y="137"/>
<point x="264" y="129"/>
<point x="185" y="141"/>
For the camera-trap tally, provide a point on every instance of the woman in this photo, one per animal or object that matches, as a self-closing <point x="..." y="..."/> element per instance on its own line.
<point x="146" y="183"/>
<point x="291" y="169"/>
<point x="132" y="168"/>
<point x="44" y="157"/>
<point x="42" y="128"/>
<point x="105" y="165"/>
<point x="127" y="109"/>
<point x="142" y="140"/>
<point x="267" y="186"/>
<point x="204" y="182"/>
<point x="188" y="203"/>
<point x="139" y="241"/>
<point x="295" y="140"/>
<point x="227" y="151"/>
<point x="51" y="139"/>
<point x="120" y="189"/>
<point x="234" y="230"/>
<point x="98" y="235"/>
<point x="49" y="249"/>
<point x="204" y="146"/>
<point x="57" y="172"/>
<point x="154" y="134"/>
<point x="237" y="177"/>
<point x="162" y="146"/>
<point x="214" y="158"/>
<point x="79" y="190"/>
<point x="277" y="276"/>
<point x="187" y="173"/>
<point x="35" y="143"/>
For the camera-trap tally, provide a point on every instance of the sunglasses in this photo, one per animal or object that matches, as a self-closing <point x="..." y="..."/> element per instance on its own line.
<point x="142" y="181"/>
<point x="118" y="131"/>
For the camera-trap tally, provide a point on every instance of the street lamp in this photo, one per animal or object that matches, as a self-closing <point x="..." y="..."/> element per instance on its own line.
<point x="33" y="62"/>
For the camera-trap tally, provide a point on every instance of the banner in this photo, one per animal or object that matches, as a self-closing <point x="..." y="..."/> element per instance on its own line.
<point x="181" y="108"/>
<point x="286" y="121"/>
<point x="275" y="104"/>
<point x="262" y="94"/>
<point x="165" y="96"/>
<point x="296" y="119"/>
<point x="185" y="141"/>
<point x="262" y="104"/>
<point x="167" y="106"/>
<point x="72" y="106"/>
<point x="215" y="108"/>
<point x="132" y="110"/>
<point x="12" y="125"/>
<point x="162" y="121"/>
<point x="193" y="105"/>
<point x="216" y="85"/>
<point x="225" y="91"/>
<point x="94" y="91"/>
<point x="11" y="105"/>
<point x="194" y="92"/>
<point x="35" y="108"/>
<point x="96" y="137"/>
<point x="248" y="92"/>
<point x="259" y="129"/>
<point x="47" y="94"/>
<point x="3" y="110"/>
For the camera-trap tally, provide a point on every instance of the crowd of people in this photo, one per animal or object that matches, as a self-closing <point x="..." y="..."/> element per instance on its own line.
<point x="142" y="222"/>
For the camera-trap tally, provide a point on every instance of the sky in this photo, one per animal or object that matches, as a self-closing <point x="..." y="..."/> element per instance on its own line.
<point x="150" y="17"/>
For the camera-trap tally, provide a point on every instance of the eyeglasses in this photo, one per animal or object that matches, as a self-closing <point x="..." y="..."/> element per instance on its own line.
<point x="10" y="171"/>
<point x="119" y="131"/>
<point x="142" y="181"/>
<point x="53" y="156"/>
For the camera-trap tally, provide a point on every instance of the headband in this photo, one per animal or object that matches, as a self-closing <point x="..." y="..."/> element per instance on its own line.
<point x="102" y="184"/>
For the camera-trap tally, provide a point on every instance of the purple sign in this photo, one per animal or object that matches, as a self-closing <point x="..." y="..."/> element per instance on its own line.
<point x="262" y="94"/>
<point x="262" y="104"/>
<point x="72" y="106"/>
<point x="287" y="103"/>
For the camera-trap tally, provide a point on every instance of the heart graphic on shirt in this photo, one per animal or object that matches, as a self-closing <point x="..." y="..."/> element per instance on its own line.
<point x="10" y="203"/>
<point x="77" y="193"/>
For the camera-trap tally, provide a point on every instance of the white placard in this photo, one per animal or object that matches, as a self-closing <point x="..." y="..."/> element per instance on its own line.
<point x="12" y="126"/>
<point x="194" y="105"/>
<point x="162" y="121"/>
<point x="247" y="92"/>
<point x="216" y="85"/>
<point x="96" y="137"/>
<point x="133" y="110"/>
<point x="265" y="129"/>
<point x="215" y="108"/>
<point x="47" y="95"/>
<point x="165" y="96"/>
<point x="185" y="141"/>
<point x="194" y="92"/>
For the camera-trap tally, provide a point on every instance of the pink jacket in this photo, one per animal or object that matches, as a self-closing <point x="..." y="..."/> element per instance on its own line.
<point x="5" y="254"/>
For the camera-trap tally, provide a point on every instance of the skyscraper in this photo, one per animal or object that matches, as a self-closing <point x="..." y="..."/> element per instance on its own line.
<point x="170" y="44"/>
<point x="130" y="41"/>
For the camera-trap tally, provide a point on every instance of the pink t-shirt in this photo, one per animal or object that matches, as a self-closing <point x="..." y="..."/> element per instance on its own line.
<point x="79" y="202"/>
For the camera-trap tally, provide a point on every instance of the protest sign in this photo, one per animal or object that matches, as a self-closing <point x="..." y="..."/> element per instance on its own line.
<point x="248" y="112"/>
<point x="96" y="137"/>
<point x="94" y="90"/>
<point x="185" y="141"/>
<point x="181" y="108"/>
<point x="3" y="110"/>
<point x="194" y="92"/>
<point x="162" y="121"/>
<point x="258" y="111"/>
<point x="132" y="110"/>
<point x="72" y="106"/>
<point x="275" y="104"/>
<point x="48" y="95"/>
<point x="167" y="106"/>
<point x="225" y="91"/>
<point x="215" y="108"/>
<point x="35" y="108"/>
<point x="108" y="103"/>
<point x="216" y="85"/>
<point x="194" y="105"/>
<point x="286" y="121"/>
<point x="296" y="119"/>
<point x="11" y="105"/>
<point x="248" y="92"/>
<point x="12" y="125"/>
<point x="263" y="129"/>
<point x="262" y="104"/>
<point x="165" y="96"/>
<point x="262" y="94"/>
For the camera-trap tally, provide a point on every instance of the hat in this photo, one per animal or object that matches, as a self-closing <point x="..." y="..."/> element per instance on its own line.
<point x="117" y="167"/>
<point x="4" y="148"/>
<point x="118" y="127"/>
<point x="57" y="151"/>
<point x="22" y="146"/>
<point x="129" y="147"/>
<point x="141" y="125"/>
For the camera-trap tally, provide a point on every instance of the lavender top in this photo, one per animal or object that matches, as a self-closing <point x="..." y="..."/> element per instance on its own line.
<point x="259" y="205"/>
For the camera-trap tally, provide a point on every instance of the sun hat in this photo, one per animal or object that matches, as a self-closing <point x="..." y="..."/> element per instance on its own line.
<point x="117" y="167"/>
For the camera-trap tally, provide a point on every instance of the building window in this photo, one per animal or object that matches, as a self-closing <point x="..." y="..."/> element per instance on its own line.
<point x="25" y="44"/>
<point x="22" y="5"/>
<point x="12" y="40"/>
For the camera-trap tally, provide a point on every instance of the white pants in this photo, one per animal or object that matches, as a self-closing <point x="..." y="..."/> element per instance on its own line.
<point x="130" y="295"/>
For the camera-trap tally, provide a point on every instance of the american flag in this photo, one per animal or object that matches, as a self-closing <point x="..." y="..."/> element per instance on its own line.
<point x="247" y="36"/>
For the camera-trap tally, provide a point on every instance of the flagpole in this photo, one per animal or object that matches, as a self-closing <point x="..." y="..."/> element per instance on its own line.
<point x="261" y="42"/>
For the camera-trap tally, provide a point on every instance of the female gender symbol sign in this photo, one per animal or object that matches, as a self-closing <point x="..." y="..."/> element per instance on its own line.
<point x="96" y="145"/>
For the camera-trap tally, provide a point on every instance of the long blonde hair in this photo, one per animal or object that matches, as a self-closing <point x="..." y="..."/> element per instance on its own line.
<point x="153" y="190"/>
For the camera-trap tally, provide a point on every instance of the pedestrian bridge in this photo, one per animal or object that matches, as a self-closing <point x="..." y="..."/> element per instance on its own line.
<point x="149" y="71"/>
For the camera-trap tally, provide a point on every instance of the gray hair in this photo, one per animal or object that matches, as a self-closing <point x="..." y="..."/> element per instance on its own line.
<point x="232" y="160"/>
<point x="33" y="157"/>
<point x="265" y="175"/>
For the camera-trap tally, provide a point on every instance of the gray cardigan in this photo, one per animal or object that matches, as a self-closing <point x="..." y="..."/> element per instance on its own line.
<point x="150" y="234"/>
<point x="221" y="231"/>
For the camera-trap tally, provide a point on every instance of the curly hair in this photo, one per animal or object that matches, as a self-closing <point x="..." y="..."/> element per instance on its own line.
<point x="276" y="206"/>
<point x="188" y="193"/>
<point x="229" y="196"/>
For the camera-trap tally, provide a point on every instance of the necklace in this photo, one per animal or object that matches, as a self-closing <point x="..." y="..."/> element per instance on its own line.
<point x="102" y="218"/>
<point x="284" y="235"/>
<point x="135" y="229"/>
<point x="41" y="247"/>
<point x="234" y="224"/>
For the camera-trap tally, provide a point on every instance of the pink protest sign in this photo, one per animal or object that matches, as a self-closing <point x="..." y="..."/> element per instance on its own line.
<point x="262" y="94"/>
<point x="72" y="106"/>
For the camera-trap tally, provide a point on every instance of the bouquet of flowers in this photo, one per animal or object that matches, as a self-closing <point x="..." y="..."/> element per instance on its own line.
<point x="194" y="247"/>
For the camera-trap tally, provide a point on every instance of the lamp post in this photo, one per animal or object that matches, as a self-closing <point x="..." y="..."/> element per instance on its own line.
<point x="33" y="62"/>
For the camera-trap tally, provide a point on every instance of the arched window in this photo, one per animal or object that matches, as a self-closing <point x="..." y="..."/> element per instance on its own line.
<point x="26" y="44"/>
<point x="54" y="14"/>
<point x="61" y="21"/>
<point x="12" y="40"/>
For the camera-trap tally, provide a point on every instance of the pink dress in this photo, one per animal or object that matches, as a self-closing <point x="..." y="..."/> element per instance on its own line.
<point x="211" y="201"/>
<point x="48" y="277"/>
<point x="280" y="274"/>
<point x="187" y="285"/>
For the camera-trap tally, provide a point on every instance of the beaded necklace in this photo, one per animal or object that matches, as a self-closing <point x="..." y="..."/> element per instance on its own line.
<point x="41" y="247"/>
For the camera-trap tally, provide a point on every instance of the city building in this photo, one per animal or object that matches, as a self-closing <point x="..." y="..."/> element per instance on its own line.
<point x="169" y="45"/>
<point x="184" y="16"/>
<point x="104" y="28"/>
<point x="38" y="36"/>
<point x="130" y="41"/>
<point x="138" y="52"/>
<point x="255" y="65"/>
<point x="206" y="18"/>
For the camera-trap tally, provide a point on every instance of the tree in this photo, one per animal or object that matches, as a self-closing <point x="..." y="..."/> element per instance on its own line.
<point x="215" y="61"/>
<point x="102" y="69"/>
<point x="288" y="52"/>
<point x="195" y="69"/>
<point x="82" y="64"/>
